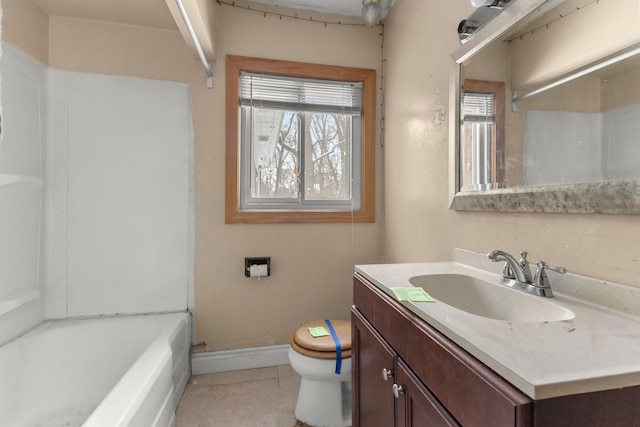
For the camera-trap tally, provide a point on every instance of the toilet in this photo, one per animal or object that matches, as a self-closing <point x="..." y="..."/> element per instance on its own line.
<point x="324" y="398"/>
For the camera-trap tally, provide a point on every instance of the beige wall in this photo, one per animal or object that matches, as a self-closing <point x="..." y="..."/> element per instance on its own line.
<point x="595" y="31"/>
<point x="311" y="264"/>
<point x="27" y="28"/>
<point x="621" y="89"/>
<point x="419" y="37"/>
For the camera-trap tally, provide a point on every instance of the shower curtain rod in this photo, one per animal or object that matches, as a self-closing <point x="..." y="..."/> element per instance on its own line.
<point x="207" y="66"/>
<point x="580" y="73"/>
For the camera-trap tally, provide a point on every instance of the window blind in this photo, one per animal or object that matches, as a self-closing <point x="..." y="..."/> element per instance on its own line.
<point x="268" y="91"/>
<point x="478" y="107"/>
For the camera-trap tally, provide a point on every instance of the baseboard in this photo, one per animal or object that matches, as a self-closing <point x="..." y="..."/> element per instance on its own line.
<point x="234" y="360"/>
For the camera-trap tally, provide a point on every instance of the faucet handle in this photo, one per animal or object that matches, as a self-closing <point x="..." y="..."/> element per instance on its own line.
<point x="560" y="270"/>
<point x="541" y="280"/>
<point x="523" y="256"/>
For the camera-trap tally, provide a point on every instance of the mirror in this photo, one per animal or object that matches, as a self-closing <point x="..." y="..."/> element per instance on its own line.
<point x="545" y="107"/>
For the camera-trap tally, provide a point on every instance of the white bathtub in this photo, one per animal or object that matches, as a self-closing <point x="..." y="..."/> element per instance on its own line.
<point x="98" y="372"/>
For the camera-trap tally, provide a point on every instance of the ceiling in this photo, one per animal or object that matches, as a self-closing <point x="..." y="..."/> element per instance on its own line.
<point x="155" y="13"/>
<point x="339" y="7"/>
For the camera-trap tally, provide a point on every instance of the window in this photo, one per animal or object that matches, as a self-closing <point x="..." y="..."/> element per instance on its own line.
<point x="300" y="142"/>
<point x="482" y="136"/>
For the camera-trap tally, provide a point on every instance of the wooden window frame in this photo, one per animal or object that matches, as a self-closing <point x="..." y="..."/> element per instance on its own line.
<point x="233" y="213"/>
<point x="498" y="143"/>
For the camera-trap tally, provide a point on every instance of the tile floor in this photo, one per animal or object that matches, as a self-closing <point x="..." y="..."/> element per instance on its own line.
<point x="264" y="397"/>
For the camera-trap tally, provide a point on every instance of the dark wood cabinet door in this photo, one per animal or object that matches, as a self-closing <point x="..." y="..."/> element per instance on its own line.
<point x="373" y="401"/>
<point x="417" y="407"/>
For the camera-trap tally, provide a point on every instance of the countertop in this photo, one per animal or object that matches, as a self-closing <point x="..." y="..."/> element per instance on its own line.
<point x="599" y="349"/>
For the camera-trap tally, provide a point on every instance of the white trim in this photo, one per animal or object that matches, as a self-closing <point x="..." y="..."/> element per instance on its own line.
<point x="235" y="360"/>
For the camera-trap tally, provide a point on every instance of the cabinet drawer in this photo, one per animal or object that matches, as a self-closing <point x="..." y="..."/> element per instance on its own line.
<point x="468" y="389"/>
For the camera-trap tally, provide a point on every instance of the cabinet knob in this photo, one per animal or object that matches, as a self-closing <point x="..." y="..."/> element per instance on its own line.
<point x="387" y="374"/>
<point x="397" y="390"/>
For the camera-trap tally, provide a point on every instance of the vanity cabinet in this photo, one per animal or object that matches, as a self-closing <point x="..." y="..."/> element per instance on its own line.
<point x="388" y="392"/>
<point x="436" y="382"/>
<point x="439" y="384"/>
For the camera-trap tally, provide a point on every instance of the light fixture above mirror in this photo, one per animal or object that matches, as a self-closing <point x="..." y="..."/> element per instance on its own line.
<point x="485" y="12"/>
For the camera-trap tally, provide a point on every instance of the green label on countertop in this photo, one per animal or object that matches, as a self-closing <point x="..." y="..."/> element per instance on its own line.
<point x="412" y="294"/>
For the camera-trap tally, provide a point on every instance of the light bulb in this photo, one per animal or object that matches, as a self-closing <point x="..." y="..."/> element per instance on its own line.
<point x="480" y="3"/>
<point x="371" y="12"/>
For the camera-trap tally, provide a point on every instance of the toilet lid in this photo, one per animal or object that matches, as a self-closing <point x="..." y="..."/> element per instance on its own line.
<point x="322" y="347"/>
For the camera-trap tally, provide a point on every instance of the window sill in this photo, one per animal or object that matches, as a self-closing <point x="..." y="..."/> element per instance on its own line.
<point x="297" y="217"/>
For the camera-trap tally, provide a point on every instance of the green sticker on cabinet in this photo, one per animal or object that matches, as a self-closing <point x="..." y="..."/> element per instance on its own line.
<point x="412" y="294"/>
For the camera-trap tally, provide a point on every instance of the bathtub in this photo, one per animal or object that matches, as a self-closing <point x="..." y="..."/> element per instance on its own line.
<point x="96" y="372"/>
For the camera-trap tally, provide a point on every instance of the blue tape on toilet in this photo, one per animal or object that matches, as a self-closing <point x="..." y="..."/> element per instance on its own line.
<point x="338" y="346"/>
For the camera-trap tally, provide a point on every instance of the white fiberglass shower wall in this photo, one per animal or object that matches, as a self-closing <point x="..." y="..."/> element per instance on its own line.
<point x="563" y="147"/>
<point x="120" y="195"/>
<point x="21" y="184"/>
<point x="95" y="195"/>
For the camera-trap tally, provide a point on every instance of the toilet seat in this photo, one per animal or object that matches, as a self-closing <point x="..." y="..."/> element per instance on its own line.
<point x="322" y="347"/>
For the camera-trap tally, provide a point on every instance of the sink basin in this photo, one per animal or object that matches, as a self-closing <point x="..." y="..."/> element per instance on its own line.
<point x="491" y="300"/>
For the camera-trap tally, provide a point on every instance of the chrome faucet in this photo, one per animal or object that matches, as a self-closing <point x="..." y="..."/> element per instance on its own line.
<point x="516" y="270"/>
<point x="517" y="274"/>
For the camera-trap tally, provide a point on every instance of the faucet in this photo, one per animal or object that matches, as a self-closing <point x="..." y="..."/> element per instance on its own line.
<point x="516" y="270"/>
<point x="517" y="274"/>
